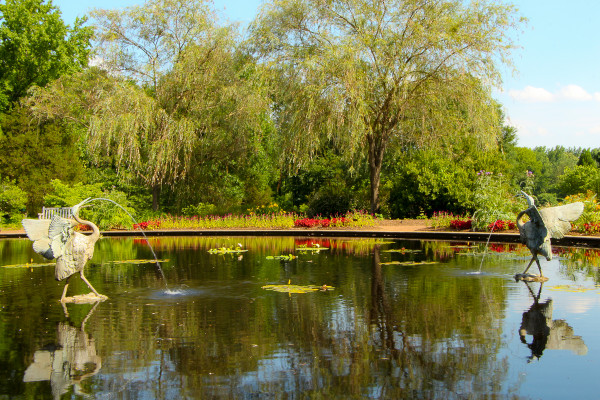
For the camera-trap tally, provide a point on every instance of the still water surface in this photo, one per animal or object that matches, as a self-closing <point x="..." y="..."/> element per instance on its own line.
<point x="441" y="327"/>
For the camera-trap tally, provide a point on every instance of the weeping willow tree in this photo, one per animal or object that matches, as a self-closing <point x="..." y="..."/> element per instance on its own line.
<point x="123" y="124"/>
<point x="366" y="74"/>
<point x="169" y="86"/>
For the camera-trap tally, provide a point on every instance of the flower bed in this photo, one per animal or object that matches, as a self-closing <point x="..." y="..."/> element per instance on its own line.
<point x="500" y="225"/>
<point x="321" y="222"/>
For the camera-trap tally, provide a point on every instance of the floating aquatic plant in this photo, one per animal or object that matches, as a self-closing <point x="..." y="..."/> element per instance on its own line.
<point x="138" y="261"/>
<point x="226" y="250"/>
<point x="409" y="263"/>
<point x="289" y="288"/>
<point x="401" y="251"/>
<point x="28" y="265"/>
<point x="288" y="257"/>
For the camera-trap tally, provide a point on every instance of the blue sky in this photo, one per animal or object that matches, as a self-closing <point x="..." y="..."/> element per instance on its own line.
<point x="553" y="99"/>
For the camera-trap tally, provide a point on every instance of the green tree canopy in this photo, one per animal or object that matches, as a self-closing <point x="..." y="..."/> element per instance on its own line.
<point x="368" y="73"/>
<point x="37" y="47"/>
<point x="170" y="94"/>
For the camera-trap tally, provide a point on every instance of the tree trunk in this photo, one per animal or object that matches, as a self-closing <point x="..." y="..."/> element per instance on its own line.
<point x="155" y="197"/>
<point x="376" y="150"/>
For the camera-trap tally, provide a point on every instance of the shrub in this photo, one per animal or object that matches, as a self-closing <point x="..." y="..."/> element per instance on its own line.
<point x="329" y="201"/>
<point x="13" y="201"/>
<point x="493" y="199"/>
<point x="103" y="213"/>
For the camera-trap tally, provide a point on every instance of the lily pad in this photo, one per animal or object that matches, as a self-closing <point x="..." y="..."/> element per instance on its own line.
<point x="28" y="265"/>
<point x="571" y="288"/>
<point x="297" y="288"/>
<point x="148" y="261"/>
<point x="226" y="250"/>
<point x="402" y="251"/>
<point x="409" y="263"/>
<point x="289" y="257"/>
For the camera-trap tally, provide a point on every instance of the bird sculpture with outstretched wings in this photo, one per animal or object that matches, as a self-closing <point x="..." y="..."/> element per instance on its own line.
<point x="545" y="224"/>
<point x="56" y="239"/>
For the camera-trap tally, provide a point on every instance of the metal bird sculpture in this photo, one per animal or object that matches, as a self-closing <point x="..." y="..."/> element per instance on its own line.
<point x="544" y="224"/>
<point x="56" y="239"/>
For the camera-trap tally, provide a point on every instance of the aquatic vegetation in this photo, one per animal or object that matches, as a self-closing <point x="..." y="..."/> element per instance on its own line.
<point x="409" y="263"/>
<point x="288" y="257"/>
<point x="227" y="250"/>
<point x="289" y="288"/>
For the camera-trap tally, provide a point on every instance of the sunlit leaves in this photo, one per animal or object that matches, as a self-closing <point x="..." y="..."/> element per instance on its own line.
<point x="36" y="47"/>
<point x="365" y="74"/>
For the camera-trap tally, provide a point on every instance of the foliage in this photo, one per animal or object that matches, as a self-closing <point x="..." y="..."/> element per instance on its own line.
<point x="443" y="219"/>
<point x="330" y="200"/>
<point x="200" y="209"/>
<point x="424" y="182"/>
<point x="272" y="208"/>
<point x="579" y="179"/>
<point x="338" y="75"/>
<point x="34" y="154"/>
<point x="12" y="202"/>
<point x="36" y="47"/>
<point x="103" y="213"/>
<point x="493" y="200"/>
<point x="591" y="211"/>
<point x="271" y="221"/>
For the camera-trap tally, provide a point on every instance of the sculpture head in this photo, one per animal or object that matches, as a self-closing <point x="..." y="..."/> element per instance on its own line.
<point x="75" y="209"/>
<point x="528" y="198"/>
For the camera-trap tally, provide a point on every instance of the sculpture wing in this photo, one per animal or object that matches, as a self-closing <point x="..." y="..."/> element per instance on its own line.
<point x="538" y="232"/>
<point x="37" y="231"/>
<point x="557" y="219"/>
<point x="59" y="233"/>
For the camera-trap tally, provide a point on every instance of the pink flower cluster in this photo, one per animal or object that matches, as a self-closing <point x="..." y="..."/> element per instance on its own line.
<point x="321" y="223"/>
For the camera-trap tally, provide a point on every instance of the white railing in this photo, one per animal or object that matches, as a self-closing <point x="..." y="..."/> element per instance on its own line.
<point x="48" y="212"/>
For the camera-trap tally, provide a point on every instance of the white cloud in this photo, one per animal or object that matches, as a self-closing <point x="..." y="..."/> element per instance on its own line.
<point x="574" y="92"/>
<point x="531" y="95"/>
<point x="571" y="92"/>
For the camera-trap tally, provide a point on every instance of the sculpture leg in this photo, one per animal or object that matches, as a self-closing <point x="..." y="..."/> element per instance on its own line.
<point x="62" y="298"/>
<point x="89" y="284"/>
<point x="534" y="258"/>
<point x="539" y="266"/>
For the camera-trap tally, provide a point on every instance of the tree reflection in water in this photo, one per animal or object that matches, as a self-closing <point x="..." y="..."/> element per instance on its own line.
<point x="388" y="330"/>
<point x="547" y="333"/>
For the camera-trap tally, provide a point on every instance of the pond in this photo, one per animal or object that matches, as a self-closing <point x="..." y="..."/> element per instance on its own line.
<point x="396" y="319"/>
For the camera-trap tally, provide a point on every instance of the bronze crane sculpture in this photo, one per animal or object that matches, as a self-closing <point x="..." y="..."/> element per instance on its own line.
<point x="544" y="224"/>
<point x="56" y="239"/>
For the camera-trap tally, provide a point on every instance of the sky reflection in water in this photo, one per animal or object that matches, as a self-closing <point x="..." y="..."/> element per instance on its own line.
<point x="406" y="319"/>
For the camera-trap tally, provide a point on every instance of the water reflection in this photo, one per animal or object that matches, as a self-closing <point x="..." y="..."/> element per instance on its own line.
<point x="547" y="333"/>
<point x="406" y="320"/>
<point x="69" y="361"/>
